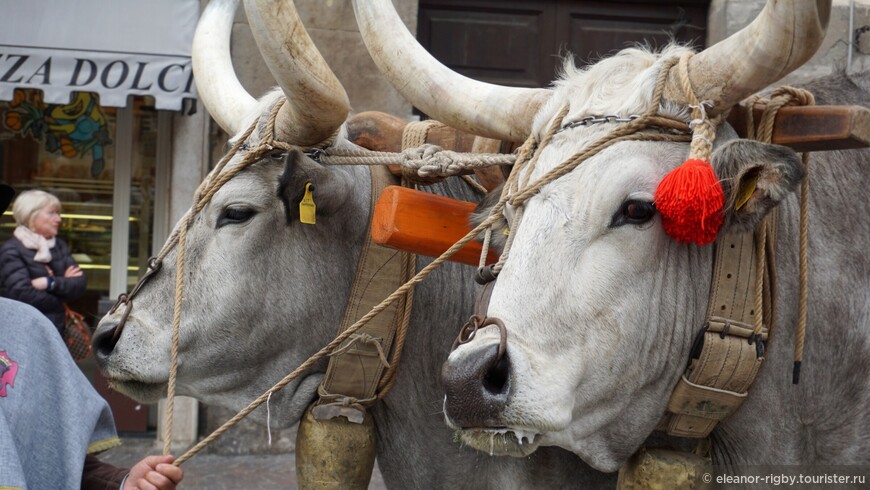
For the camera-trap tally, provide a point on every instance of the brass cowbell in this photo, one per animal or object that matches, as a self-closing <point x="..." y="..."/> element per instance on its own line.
<point x="334" y="453"/>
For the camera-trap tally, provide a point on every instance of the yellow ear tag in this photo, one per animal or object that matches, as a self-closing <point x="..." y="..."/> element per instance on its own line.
<point x="307" y="209"/>
<point x="747" y="187"/>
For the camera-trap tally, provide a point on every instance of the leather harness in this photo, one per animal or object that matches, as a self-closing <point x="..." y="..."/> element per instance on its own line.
<point x="355" y="368"/>
<point x="727" y="355"/>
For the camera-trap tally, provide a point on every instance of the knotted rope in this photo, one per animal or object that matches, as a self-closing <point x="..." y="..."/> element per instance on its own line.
<point x="426" y="161"/>
<point x="703" y="127"/>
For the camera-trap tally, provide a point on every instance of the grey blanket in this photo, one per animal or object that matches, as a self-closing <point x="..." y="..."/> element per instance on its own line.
<point x="50" y="415"/>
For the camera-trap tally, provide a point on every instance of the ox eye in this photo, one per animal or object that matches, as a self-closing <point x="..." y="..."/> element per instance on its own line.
<point x="633" y="212"/>
<point x="234" y="216"/>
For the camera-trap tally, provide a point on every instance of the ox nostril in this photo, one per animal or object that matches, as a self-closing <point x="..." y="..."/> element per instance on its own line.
<point x="495" y="381"/>
<point x="103" y="342"/>
<point x="476" y="386"/>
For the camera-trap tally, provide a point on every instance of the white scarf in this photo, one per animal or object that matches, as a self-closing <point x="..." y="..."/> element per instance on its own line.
<point x="35" y="241"/>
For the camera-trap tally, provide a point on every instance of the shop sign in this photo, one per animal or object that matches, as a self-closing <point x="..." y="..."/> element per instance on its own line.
<point x="112" y="75"/>
<point x="114" y="48"/>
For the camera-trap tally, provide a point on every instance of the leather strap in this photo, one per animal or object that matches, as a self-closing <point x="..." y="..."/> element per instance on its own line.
<point x="718" y="377"/>
<point x="355" y="370"/>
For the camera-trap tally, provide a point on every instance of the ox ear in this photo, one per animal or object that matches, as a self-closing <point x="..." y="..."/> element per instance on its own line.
<point x="756" y="177"/>
<point x="482" y="211"/>
<point x="330" y="187"/>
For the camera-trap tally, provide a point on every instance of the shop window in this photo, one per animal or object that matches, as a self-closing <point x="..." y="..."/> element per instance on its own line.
<point x="67" y="150"/>
<point x="80" y="152"/>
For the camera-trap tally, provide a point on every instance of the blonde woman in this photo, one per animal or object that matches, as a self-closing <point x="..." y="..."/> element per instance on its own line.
<point x="36" y="266"/>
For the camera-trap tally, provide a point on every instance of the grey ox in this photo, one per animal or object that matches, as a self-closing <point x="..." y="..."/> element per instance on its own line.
<point x="601" y="307"/>
<point x="264" y="292"/>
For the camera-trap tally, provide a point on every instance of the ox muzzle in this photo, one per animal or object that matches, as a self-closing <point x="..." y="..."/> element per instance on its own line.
<point x="477" y="380"/>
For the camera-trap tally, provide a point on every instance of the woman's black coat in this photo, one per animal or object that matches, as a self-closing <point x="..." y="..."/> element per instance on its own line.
<point x="17" y="269"/>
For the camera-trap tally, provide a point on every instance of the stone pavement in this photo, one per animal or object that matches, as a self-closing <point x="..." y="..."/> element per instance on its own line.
<point x="222" y="472"/>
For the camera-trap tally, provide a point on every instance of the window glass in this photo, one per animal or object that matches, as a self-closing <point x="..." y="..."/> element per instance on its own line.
<point x="142" y="190"/>
<point x="67" y="150"/>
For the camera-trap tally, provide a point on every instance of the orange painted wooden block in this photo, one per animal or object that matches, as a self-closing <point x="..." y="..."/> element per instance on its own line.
<point x="425" y="224"/>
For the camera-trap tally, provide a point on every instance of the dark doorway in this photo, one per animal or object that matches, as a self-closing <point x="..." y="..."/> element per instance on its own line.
<point x="521" y="42"/>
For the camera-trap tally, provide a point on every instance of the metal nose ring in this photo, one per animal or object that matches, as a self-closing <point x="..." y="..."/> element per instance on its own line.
<point x="477" y="322"/>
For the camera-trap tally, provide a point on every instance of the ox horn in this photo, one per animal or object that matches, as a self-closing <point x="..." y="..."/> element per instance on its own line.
<point x="216" y="82"/>
<point x="783" y="36"/>
<point x="485" y="109"/>
<point x="316" y="102"/>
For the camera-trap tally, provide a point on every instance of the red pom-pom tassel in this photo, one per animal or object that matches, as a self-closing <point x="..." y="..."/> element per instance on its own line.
<point x="690" y="200"/>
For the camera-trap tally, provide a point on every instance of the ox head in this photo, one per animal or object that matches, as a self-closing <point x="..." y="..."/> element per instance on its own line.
<point x="258" y="283"/>
<point x="599" y="304"/>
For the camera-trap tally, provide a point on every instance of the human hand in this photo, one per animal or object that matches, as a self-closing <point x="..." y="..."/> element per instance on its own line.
<point x="72" y="271"/>
<point x="154" y="473"/>
<point x="40" y="283"/>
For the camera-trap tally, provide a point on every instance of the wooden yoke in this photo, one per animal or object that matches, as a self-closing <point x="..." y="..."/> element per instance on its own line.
<point x="812" y="128"/>
<point x="415" y="221"/>
<point x="425" y="224"/>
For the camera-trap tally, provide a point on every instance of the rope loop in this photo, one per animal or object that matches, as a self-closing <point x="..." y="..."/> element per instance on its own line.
<point x="779" y="98"/>
<point x="365" y="339"/>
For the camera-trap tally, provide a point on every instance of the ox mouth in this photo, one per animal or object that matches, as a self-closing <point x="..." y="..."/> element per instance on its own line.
<point x="500" y="441"/>
<point x="140" y="391"/>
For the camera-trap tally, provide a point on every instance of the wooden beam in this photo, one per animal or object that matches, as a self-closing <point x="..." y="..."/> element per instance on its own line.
<point x="812" y="128"/>
<point x="428" y="224"/>
<point x="425" y="224"/>
<point x="805" y="128"/>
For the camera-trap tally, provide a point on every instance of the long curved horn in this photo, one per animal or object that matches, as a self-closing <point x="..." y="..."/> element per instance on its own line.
<point x="783" y="36"/>
<point x="316" y="102"/>
<point x="216" y="82"/>
<point x="485" y="109"/>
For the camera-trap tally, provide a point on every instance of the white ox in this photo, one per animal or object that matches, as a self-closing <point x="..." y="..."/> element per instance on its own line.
<point x="601" y="307"/>
<point x="264" y="292"/>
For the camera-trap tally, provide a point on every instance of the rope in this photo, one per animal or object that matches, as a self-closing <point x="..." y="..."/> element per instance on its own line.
<point x="389" y="377"/>
<point x="415" y="133"/>
<point x="427" y="161"/>
<point x="530" y="151"/>
<point x="443" y="163"/>
<point x="475" y="184"/>
<point x="627" y="132"/>
<point x="779" y="98"/>
<point x="213" y="182"/>
<point x="760" y="249"/>
<point x="342" y="337"/>
<point x="703" y="128"/>
<point x="176" y="322"/>
<point x="801" y="332"/>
